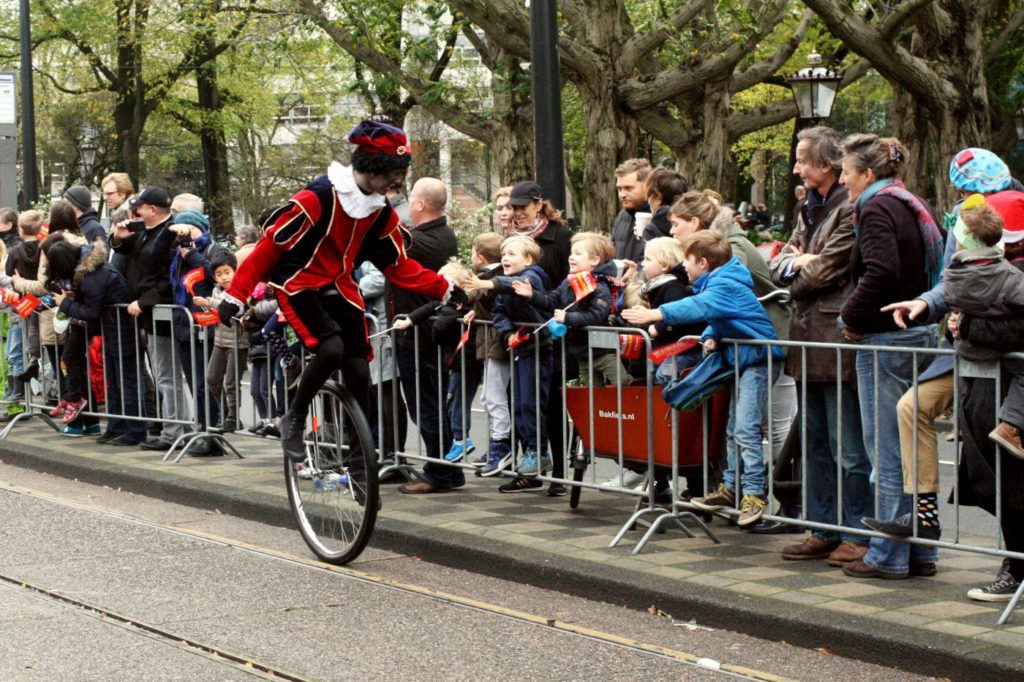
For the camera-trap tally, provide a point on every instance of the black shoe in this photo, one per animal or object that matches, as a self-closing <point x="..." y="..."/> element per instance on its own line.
<point x="903" y="527"/>
<point x="557" y="490"/>
<point x="31" y="372"/>
<point x="775" y="528"/>
<point x="127" y="441"/>
<point x="229" y="426"/>
<point x="156" y="444"/>
<point x="108" y="437"/>
<point x="292" y="442"/>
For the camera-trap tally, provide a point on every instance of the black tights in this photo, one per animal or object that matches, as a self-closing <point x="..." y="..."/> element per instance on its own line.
<point x="330" y="356"/>
<point x="1013" y="537"/>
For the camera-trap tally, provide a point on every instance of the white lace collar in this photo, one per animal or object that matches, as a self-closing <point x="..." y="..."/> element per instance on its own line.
<point x="356" y="204"/>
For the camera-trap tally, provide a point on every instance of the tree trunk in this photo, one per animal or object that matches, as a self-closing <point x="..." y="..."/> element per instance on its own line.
<point x="512" y="121"/>
<point x="707" y="170"/>
<point x="129" y="122"/>
<point x="611" y="139"/>
<point x="215" y="150"/>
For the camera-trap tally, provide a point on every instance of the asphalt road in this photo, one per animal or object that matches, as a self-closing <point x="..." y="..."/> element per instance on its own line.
<point x="100" y="584"/>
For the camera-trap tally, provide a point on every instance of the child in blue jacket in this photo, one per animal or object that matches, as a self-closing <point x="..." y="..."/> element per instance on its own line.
<point x="724" y="297"/>
<point x="590" y="252"/>
<point x="532" y="360"/>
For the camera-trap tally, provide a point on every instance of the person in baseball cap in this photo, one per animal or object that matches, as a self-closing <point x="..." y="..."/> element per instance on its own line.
<point x="153" y="196"/>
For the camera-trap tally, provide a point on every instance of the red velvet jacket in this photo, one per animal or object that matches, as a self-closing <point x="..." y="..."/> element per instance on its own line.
<point x="313" y="243"/>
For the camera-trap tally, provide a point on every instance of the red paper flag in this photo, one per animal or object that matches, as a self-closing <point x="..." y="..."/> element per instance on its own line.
<point x="582" y="284"/>
<point x="672" y="349"/>
<point x="518" y="338"/>
<point x="462" y="344"/>
<point x="192" y="278"/>
<point x="26" y="305"/>
<point x="9" y="296"/>
<point x="631" y="346"/>
<point x="44" y="231"/>
<point x="206" y="318"/>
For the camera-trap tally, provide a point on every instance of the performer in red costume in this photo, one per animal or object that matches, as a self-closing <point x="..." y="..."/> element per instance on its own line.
<point x="309" y="254"/>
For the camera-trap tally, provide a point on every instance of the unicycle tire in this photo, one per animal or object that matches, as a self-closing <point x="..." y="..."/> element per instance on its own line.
<point x="334" y="493"/>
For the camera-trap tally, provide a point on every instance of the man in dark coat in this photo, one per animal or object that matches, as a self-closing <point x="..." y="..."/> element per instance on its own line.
<point x="433" y="244"/>
<point x="89" y="225"/>
<point x="630" y="178"/>
<point x="147" y="266"/>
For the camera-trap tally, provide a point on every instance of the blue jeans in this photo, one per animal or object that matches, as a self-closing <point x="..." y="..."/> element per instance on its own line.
<point x="822" y="413"/>
<point x="15" y="358"/>
<point x="743" y="432"/>
<point x="895" y="376"/>
<point x="426" y="411"/>
<point x="454" y="401"/>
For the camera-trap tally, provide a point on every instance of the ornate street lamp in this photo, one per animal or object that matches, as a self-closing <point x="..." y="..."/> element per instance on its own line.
<point x="814" y="89"/>
<point x="86" y="155"/>
<point x="1018" y="122"/>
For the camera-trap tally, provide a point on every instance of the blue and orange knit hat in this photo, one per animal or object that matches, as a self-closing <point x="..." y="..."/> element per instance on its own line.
<point x="978" y="170"/>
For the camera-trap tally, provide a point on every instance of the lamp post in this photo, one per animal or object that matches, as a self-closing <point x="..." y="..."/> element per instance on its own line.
<point x="814" y="89"/>
<point x="30" y="180"/>
<point x="547" y="100"/>
<point x="1018" y="123"/>
<point x="86" y="155"/>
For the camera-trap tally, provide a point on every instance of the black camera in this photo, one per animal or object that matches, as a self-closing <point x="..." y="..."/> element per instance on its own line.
<point x="136" y="225"/>
<point x="184" y="241"/>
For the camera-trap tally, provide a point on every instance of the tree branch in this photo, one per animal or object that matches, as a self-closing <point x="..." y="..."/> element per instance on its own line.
<point x="890" y="25"/>
<point x="57" y="86"/>
<point x="1009" y="31"/>
<point x="643" y="44"/>
<point x="756" y="73"/>
<point x="895" y="63"/>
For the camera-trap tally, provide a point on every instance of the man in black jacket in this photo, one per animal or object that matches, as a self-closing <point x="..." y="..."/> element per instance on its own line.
<point x="147" y="266"/>
<point x="433" y="244"/>
<point x="89" y="225"/>
<point x="630" y="179"/>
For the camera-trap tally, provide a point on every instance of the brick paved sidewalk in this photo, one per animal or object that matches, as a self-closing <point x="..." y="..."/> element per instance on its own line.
<point x="744" y="574"/>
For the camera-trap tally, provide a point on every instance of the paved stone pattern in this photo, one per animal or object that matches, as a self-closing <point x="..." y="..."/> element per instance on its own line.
<point x="748" y="565"/>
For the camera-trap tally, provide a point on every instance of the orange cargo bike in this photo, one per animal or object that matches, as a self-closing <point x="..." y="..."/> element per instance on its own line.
<point x="648" y="432"/>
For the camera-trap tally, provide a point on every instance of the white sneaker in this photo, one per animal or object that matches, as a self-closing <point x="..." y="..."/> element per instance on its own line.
<point x="626" y="479"/>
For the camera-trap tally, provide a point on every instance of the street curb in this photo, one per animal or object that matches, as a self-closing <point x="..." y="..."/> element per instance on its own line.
<point x="844" y="635"/>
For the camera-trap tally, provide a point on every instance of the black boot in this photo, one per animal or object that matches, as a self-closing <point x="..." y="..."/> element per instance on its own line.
<point x="293" y="427"/>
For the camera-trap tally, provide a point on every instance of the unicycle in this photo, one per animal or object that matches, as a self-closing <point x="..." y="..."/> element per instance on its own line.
<point x="334" y="493"/>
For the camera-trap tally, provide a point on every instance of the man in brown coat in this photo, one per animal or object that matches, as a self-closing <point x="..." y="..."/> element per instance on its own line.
<point x="815" y="264"/>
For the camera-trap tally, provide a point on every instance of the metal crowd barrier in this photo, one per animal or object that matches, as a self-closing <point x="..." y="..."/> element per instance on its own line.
<point x="628" y="424"/>
<point x="175" y="400"/>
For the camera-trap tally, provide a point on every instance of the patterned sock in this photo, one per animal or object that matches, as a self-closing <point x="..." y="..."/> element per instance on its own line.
<point x="928" y="509"/>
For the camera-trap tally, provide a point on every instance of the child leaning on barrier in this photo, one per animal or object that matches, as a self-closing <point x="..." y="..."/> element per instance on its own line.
<point x="463" y="369"/>
<point x="230" y="344"/>
<point x="589" y="253"/>
<point x="532" y="361"/>
<point x="982" y="283"/>
<point x="665" y="280"/>
<point x="724" y="297"/>
<point x="23" y="261"/>
<point x="497" y="370"/>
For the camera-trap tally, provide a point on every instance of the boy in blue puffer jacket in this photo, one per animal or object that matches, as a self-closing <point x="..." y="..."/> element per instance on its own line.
<point x="724" y="297"/>
<point x="519" y="256"/>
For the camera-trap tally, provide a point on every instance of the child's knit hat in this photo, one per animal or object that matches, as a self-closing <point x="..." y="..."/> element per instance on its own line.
<point x="978" y="170"/>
